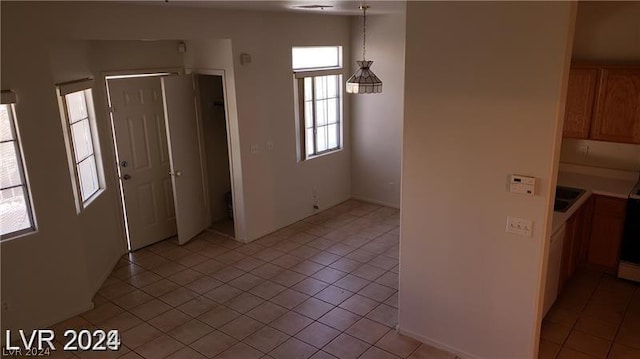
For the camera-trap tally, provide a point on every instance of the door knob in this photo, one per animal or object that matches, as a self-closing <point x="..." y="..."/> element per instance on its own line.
<point x="124" y="163"/>
<point x="176" y="173"/>
<point x="126" y="177"/>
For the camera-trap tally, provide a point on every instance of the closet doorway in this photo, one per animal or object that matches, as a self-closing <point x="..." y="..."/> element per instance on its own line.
<point x="215" y="133"/>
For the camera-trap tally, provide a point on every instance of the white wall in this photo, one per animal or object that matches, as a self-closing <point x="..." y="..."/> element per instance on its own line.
<point x="606" y="32"/>
<point x="619" y="156"/>
<point x="377" y="118"/>
<point x="40" y="269"/>
<point x="95" y="248"/>
<point x="277" y="189"/>
<point x="484" y="98"/>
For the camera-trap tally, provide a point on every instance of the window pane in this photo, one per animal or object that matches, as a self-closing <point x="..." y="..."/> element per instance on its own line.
<point x="308" y="93"/>
<point x="321" y="87"/>
<point x="316" y="57"/>
<point x="322" y="138"/>
<point x="332" y="110"/>
<point x="15" y="213"/>
<point x="321" y="112"/>
<point x="5" y="125"/>
<point x="77" y="106"/>
<point x="332" y="86"/>
<point x="308" y="114"/>
<point x="88" y="177"/>
<point x="9" y="169"/>
<point x="81" y="133"/>
<point x="333" y="134"/>
<point x="310" y="140"/>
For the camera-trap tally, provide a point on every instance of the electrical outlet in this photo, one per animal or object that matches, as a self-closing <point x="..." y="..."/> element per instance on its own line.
<point x="521" y="226"/>
<point x="314" y="197"/>
<point x="255" y="149"/>
<point x="5" y="306"/>
<point x="583" y="150"/>
<point x="269" y="145"/>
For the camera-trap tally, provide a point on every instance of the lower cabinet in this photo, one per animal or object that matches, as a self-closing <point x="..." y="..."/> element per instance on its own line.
<point x="607" y="226"/>
<point x="591" y="237"/>
<point x="576" y="242"/>
<point x="553" y="269"/>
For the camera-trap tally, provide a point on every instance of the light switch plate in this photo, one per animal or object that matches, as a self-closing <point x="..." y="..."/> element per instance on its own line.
<point x="520" y="226"/>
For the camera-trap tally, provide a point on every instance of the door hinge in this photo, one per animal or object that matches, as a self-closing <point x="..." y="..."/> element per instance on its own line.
<point x="111" y="109"/>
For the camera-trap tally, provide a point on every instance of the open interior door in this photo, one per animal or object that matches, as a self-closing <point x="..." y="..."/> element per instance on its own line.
<point x="185" y="156"/>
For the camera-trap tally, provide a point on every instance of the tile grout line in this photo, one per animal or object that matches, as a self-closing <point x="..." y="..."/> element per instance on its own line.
<point x="564" y="342"/>
<point x="162" y="251"/>
<point x="619" y="326"/>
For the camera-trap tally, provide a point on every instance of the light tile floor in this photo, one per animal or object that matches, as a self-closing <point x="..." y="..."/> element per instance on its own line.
<point x="596" y="316"/>
<point x="325" y="287"/>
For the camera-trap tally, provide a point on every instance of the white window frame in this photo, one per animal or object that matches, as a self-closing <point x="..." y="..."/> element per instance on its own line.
<point x="63" y="90"/>
<point x="8" y="99"/>
<point x="299" y="76"/>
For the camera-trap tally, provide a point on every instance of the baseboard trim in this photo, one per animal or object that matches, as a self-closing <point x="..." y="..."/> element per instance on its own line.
<point x="438" y="345"/>
<point x="55" y="319"/>
<point x="265" y="233"/>
<point x="85" y="308"/>
<point x="105" y="275"/>
<point x="374" y="201"/>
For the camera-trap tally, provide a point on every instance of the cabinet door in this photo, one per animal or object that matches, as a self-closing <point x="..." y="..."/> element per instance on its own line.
<point x="584" y="233"/>
<point x="617" y="112"/>
<point x="606" y="233"/>
<point x="580" y="98"/>
<point x="569" y="246"/>
<point x="552" y="283"/>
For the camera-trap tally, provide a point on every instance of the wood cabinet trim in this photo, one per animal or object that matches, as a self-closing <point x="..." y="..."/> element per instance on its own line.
<point x="596" y="65"/>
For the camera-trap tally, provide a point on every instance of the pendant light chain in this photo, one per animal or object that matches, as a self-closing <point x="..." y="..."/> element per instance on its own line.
<point x="364" y="31"/>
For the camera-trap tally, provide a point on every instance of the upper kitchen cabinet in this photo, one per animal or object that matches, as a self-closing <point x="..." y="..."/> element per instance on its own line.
<point x="617" y="112"/>
<point x="603" y="103"/>
<point x="580" y="99"/>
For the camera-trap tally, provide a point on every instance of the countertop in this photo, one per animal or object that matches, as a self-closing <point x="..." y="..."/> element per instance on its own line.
<point x="607" y="186"/>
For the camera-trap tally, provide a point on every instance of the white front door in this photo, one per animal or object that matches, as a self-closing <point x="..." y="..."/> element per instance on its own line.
<point x="139" y="123"/>
<point x="185" y="155"/>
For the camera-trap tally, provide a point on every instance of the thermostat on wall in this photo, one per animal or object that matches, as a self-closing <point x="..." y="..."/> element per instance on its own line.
<point x="522" y="184"/>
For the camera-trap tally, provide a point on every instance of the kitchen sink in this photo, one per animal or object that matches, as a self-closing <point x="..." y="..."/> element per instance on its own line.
<point x="565" y="197"/>
<point x="561" y="205"/>
<point x="568" y="193"/>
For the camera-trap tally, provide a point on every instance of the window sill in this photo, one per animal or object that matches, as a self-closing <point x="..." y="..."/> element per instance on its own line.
<point x="6" y="238"/>
<point x="323" y="154"/>
<point x="91" y="199"/>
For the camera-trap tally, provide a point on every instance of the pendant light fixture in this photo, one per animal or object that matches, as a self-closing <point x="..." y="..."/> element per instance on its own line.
<point x="364" y="80"/>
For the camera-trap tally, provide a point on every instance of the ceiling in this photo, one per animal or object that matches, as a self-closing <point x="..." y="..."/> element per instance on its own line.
<point x="338" y="7"/>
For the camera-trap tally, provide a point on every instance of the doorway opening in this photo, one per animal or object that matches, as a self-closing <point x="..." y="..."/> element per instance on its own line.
<point x="215" y="133"/>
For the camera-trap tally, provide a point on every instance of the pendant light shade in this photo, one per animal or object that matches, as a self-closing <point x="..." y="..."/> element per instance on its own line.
<point x="364" y="80"/>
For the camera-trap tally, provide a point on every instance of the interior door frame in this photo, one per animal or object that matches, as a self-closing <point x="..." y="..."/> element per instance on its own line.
<point x="238" y="203"/>
<point x="108" y="116"/>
